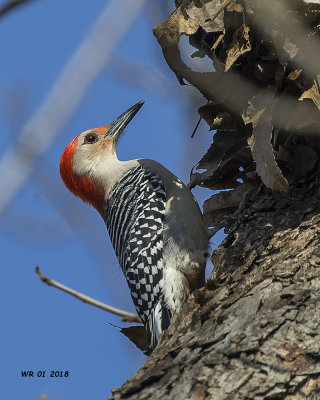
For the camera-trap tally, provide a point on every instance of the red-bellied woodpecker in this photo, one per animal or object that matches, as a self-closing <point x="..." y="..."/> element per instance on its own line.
<point x="154" y="223"/>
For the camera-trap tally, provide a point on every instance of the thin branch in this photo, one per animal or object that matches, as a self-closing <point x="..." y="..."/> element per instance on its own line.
<point x="126" y="316"/>
<point x="218" y="41"/>
<point x="196" y="127"/>
<point x="220" y="9"/>
<point x="10" y="5"/>
<point x="198" y="123"/>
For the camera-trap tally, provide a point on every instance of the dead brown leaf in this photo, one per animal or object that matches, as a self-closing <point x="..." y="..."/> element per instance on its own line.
<point x="168" y="34"/>
<point x="240" y="45"/>
<point x="138" y="336"/>
<point x="294" y="74"/>
<point x="290" y="48"/>
<point x="262" y="152"/>
<point x="302" y="159"/>
<point x="202" y="11"/>
<point x="227" y="175"/>
<point x="224" y="144"/>
<point x="313" y="94"/>
<point x="259" y="114"/>
<point x="186" y="20"/>
<point x="252" y="115"/>
<point x="216" y="116"/>
<point x="222" y="204"/>
<point x="233" y="6"/>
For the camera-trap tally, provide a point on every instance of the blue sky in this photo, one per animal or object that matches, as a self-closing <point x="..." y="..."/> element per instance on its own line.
<point x="43" y="328"/>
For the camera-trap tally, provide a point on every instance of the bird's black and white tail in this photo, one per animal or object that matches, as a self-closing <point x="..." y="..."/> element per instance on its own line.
<point x="157" y="322"/>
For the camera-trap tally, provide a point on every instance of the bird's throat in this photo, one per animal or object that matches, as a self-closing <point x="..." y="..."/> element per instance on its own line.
<point x="89" y="191"/>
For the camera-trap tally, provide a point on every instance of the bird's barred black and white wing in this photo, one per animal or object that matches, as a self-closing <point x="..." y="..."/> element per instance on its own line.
<point x="135" y="215"/>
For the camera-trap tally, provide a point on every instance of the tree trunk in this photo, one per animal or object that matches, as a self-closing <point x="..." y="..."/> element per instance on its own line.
<point x="253" y="331"/>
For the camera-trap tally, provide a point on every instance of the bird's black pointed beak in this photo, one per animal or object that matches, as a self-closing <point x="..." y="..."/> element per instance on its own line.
<point x="117" y="126"/>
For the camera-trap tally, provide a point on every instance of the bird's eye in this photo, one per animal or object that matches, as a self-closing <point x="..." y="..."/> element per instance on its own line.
<point x="91" y="138"/>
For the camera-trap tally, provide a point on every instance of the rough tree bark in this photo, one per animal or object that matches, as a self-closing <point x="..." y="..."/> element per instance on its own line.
<point x="253" y="331"/>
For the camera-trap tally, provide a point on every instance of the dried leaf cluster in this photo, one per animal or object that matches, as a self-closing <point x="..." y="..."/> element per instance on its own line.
<point x="263" y="91"/>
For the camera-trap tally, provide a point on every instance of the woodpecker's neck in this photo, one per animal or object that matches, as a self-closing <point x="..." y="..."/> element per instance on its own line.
<point x="108" y="171"/>
<point x="103" y="175"/>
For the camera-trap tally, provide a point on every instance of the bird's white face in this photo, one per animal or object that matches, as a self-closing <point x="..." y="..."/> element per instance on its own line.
<point x="93" y="153"/>
<point x="85" y="165"/>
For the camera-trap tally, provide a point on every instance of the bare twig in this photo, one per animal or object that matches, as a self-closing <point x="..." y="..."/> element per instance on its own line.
<point x="220" y="9"/>
<point x="10" y="5"/>
<point x="126" y="316"/>
<point x="196" y="127"/>
<point x="218" y="41"/>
